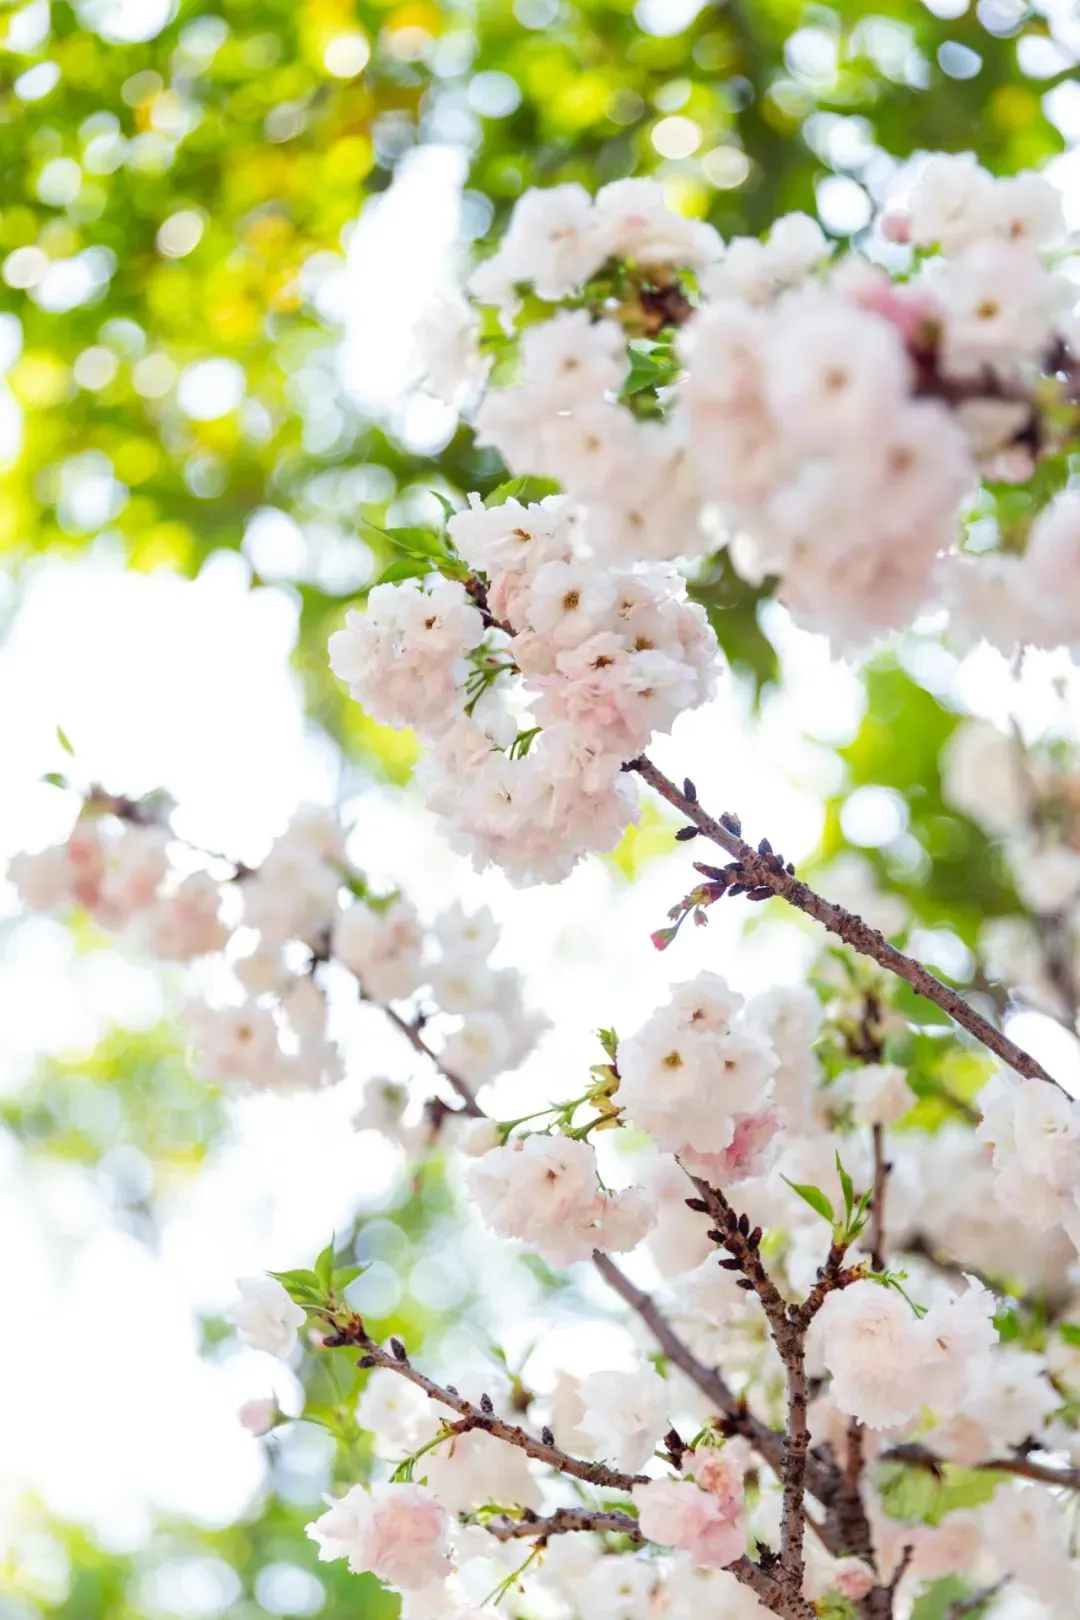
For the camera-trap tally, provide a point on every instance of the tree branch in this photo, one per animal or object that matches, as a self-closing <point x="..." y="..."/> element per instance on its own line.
<point x="788" y="1330"/>
<point x="788" y="1454"/>
<point x="417" y="1042"/>
<point x="796" y="1448"/>
<point x="964" y="1607"/>
<point x="766" y="1587"/>
<point x="877" y="1203"/>
<point x="733" y="1233"/>
<point x="559" y="1523"/>
<point x="916" y="1456"/>
<point x="756" y="871"/>
<point x="349" y="1329"/>
<point x="768" y="1442"/>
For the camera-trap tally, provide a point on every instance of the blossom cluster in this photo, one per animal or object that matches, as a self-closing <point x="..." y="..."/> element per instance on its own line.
<point x="274" y="936"/>
<point x="116" y="871"/>
<point x="1033" y="1131"/>
<point x="745" y="1096"/>
<point x="530" y="720"/>
<point x="700" y="1083"/>
<point x="544" y="1190"/>
<point x="831" y="418"/>
<point x="886" y="1363"/>
<point x="824" y="1300"/>
<point x="913" y="1359"/>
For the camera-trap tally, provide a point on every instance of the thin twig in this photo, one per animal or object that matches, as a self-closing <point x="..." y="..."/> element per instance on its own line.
<point x="1051" y="1303"/>
<point x="877" y="1202"/>
<point x="852" y="1525"/>
<point x="1025" y="1468"/>
<point x="765" y="1440"/>
<point x="561" y="1522"/>
<point x="348" y="1329"/>
<point x="418" y="1044"/>
<point x="920" y="1244"/>
<point x="963" y="1607"/>
<point x="734" y="1234"/>
<point x="901" y="1569"/>
<point x="831" y="1277"/>
<point x="790" y="1458"/>
<point x="916" y="1456"/>
<point x="759" y="873"/>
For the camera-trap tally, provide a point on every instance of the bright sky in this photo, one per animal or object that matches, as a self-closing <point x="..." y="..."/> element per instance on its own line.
<point x="184" y="684"/>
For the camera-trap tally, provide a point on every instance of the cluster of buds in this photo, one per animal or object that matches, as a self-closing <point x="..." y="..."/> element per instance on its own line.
<point x="731" y="880"/>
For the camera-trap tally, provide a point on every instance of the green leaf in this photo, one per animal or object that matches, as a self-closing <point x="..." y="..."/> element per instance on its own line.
<point x="1010" y="1326"/>
<point x="449" y="509"/>
<point x="1070" y="1332"/>
<point x="937" y="1600"/>
<point x="65" y="741"/>
<point x="419" y="544"/>
<point x="407" y="568"/>
<point x="523" y="742"/>
<point x="815" y="1198"/>
<point x="55" y="779"/>
<point x="304" y="1287"/>
<point x="609" y="1041"/>
<point x="849" y="1189"/>
<point x="324" y="1267"/>
<point x="526" y="490"/>
<point x="732" y="606"/>
<point x="416" y="542"/>
<point x="652" y="366"/>
<point x="964" y="1489"/>
<point x="909" y="1494"/>
<point x="344" y="1275"/>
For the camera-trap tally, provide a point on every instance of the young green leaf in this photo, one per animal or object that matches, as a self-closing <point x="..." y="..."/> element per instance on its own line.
<point x="526" y="490"/>
<point x="848" y="1187"/>
<point x="343" y="1276"/>
<point x="407" y="568"/>
<point x="449" y="509"/>
<point x="303" y="1287"/>
<point x="815" y="1198"/>
<point x="609" y="1041"/>
<point x="324" y="1267"/>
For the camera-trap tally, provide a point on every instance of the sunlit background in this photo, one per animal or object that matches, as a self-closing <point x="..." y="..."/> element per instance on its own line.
<point x="219" y="224"/>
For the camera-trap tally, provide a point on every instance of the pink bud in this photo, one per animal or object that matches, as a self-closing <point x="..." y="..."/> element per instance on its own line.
<point x="896" y="226"/>
<point x="854" y="1579"/>
<point x="259" y="1416"/>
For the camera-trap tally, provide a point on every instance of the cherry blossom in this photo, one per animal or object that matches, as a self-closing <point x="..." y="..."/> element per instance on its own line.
<point x="398" y="1532"/>
<point x="265" y="1317"/>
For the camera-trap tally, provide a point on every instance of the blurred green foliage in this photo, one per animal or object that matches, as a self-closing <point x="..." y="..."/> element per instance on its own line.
<point x="186" y="198"/>
<point x="944" y="866"/>
<point x="133" y="1097"/>
<point x="266" y="1559"/>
